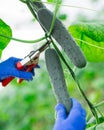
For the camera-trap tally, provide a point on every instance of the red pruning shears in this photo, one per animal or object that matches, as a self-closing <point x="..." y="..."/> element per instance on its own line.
<point x="30" y="61"/>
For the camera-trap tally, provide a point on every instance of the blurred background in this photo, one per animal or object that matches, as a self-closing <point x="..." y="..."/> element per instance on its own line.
<point x="30" y="105"/>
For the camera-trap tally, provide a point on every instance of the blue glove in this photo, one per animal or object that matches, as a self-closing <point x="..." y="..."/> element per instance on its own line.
<point x="76" y="120"/>
<point x="8" y="68"/>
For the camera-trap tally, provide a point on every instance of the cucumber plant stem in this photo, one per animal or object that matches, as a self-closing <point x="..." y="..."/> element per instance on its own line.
<point x="31" y="5"/>
<point x="64" y="5"/>
<point x="31" y="9"/>
<point x="70" y="6"/>
<point x="54" y="16"/>
<point x="102" y="115"/>
<point x="24" y="41"/>
<point x="99" y="104"/>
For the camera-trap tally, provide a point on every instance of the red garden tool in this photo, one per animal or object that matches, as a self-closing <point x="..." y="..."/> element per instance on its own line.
<point x="29" y="62"/>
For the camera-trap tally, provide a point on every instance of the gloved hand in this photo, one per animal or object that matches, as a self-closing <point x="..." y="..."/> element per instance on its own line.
<point x="76" y="120"/>
<point x="8" y="68"/>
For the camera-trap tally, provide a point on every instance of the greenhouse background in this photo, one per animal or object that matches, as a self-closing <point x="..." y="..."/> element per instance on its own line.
<point x="30" y="105"/>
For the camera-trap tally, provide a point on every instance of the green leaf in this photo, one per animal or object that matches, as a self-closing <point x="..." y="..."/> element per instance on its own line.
<point x="90" y="37"/>
<point x="6" y="31"/>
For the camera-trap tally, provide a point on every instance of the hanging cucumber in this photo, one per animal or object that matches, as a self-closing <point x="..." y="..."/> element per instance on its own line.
<point x="62" y="36"/>
<point x="36" y="5"/>
<point x="57" y="78"/>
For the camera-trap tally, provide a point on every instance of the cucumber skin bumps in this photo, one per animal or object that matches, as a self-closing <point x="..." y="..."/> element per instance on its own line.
<point x="57" y="78"/>
<point x="62" y="36"/>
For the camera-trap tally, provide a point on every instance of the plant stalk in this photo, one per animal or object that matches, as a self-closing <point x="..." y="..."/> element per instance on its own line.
<point x="23" y="41"/>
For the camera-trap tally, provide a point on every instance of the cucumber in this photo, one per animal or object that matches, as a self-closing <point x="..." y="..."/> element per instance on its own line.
<point x="57" y="78"/>
<point x="36" y="5"/>
<point x="62" y="36"/>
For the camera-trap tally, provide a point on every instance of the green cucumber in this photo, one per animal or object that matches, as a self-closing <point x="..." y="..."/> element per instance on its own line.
<point x="57" y="78"/>
<point x="62" y="36"/>
<point x="36" y="5"/>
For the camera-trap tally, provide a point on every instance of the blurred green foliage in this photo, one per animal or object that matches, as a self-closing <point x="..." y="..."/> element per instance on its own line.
<point x="30" y="105"/>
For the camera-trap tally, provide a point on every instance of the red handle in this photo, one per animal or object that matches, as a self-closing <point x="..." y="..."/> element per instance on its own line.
<point x="30" y="67"/>
<point x="6" y="81"/>
<point x="9" y="79"/>
<point x="19" y="67"/>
